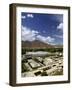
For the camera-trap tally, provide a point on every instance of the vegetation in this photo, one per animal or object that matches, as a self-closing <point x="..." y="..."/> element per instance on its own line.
<point x="44" y="73"/>
<point x="58" y="72"/>
<point x="24" y="68"/>
<point x="24" y="61"/>
<point x="35" y="59"/>
<point x="52" y="50"/>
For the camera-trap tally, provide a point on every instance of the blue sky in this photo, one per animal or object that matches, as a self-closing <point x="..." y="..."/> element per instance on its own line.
<point x="47" y="28"/>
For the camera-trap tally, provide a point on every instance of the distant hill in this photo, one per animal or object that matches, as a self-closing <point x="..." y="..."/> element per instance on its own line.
<point x="58" y="46"/>
<point x="36" y="44"/>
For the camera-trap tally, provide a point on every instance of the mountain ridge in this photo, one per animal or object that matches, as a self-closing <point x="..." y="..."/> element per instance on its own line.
<point x="37" y="44"/>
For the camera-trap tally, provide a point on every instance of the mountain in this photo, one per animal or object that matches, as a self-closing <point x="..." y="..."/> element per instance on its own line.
<point x="58" y="46"/>
<point x="36" y="44"/>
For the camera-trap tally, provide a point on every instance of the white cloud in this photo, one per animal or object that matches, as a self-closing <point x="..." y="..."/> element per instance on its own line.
<point x="30" y="15"/>
<point x="31" y="35"/>
<point x="27" y="16"/>
<point x="45" y="39"/>
<point x="23" y="17"/>
<point x="59" y="36"/>
<point x="28" y="34"/>
<point x="60" y="26"/>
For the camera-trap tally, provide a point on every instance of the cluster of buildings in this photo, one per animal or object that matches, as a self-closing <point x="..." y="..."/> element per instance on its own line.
<point x="42" y="64"/>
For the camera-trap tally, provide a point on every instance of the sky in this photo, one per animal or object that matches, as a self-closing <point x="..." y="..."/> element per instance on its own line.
<point x="47" y="28"/>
